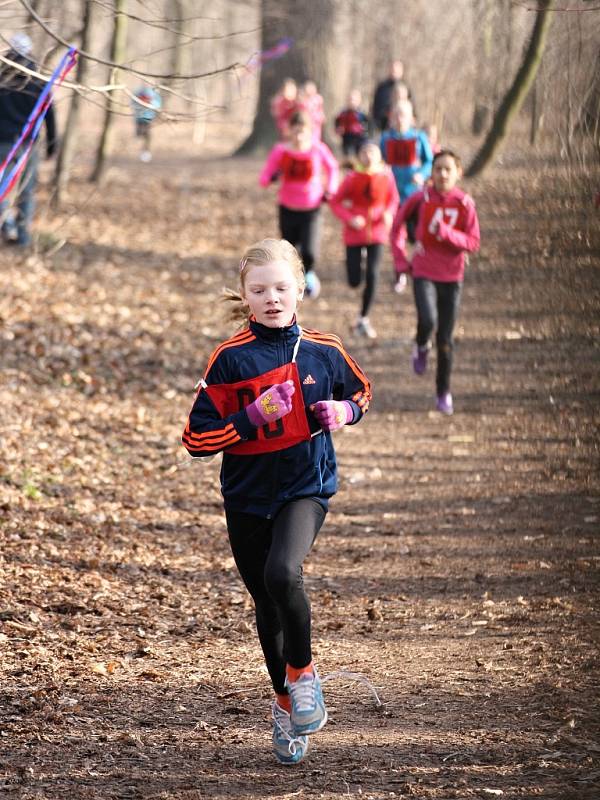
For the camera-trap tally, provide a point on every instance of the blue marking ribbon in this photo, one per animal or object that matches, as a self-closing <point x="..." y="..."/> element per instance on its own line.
<point x="33" y="124"/>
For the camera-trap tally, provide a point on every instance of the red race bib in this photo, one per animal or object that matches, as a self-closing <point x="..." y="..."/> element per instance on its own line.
<point x="229" y="398"/>
<point x="349" y="122"/>
<point x="371" y="190"/>
<point x="296" y="169"/>
<point x="432" y="213"/>
<point x="401" y="152"/>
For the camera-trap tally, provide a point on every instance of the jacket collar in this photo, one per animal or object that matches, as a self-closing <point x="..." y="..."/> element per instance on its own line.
<point x="288" y="334"/>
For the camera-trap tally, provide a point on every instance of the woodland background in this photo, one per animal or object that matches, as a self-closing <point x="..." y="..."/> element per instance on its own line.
<point x="459" y="566"/>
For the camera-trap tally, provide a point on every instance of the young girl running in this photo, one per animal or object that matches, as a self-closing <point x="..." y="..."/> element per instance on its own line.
<point x="352" y="125"/>
<point x="301" y="165"/>
<point x="447" y="227"/>
<point x="407" y="150"/>
<point x="366" y="202"/>
<point x="283" y="106"/>
<point x="270" y="398"/>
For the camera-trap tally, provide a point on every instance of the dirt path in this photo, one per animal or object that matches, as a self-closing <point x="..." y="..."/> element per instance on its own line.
<point x="458" y="568"/>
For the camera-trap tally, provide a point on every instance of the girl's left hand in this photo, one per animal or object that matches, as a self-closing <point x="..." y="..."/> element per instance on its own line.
<point x="418" y="179"/>
<point x="332" y="414"/>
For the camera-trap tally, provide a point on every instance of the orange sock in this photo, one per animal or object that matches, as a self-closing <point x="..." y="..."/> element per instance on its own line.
<point x="284" y="701"/>
<point x="293" y="673"/>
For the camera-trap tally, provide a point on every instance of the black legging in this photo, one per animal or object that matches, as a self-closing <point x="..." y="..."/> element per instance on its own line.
<point x="302" y="229"/>
<point x="437" y="307"/>
<point x="269" y="555"/>
<point x="354" y="271"/>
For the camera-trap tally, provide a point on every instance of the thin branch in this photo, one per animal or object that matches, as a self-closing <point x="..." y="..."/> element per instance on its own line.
<point x="156" y="24"/>
<point x="26" y="5"/>
<point x="111" y="87"/>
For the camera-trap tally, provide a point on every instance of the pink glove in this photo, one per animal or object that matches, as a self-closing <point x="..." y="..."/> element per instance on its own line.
<point x="332" y="414"/>
<point x="272" y="404"/>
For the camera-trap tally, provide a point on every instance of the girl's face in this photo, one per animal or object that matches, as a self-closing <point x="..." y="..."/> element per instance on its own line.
<point x="300" y="137"/>
<point x="445" y="174"/>
<point x="354" y="99"/>
<point x="290" y="90"/>
<point x="402" y="118"/>
<point x="369" y="156"/>
<point x="272" y="293"/>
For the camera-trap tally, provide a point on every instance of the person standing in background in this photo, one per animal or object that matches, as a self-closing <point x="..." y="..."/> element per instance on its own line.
<point x="19" y="94"/>
<point x="390" y="90"/>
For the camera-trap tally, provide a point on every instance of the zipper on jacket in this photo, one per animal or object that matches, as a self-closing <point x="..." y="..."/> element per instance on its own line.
<point x="281" y="359"/>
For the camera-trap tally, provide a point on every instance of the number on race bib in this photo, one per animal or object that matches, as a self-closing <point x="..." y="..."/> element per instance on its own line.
<point x="438" y="216"/>
<point x="271" y="430"/>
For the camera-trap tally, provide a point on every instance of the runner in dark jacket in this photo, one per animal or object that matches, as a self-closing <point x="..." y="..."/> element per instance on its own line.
<point x="19" y="92"/>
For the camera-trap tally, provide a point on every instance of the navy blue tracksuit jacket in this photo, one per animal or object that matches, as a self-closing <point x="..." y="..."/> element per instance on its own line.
<point x="262" y="483"/>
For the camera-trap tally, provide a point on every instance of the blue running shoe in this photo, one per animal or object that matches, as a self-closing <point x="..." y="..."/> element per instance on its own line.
<point x="287" y="746"/>
<point x="309" y="714"/>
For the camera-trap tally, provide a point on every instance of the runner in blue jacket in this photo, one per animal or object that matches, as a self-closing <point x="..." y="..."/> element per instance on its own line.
<point x="270" y="399"/>
<point x="407" y="150"/>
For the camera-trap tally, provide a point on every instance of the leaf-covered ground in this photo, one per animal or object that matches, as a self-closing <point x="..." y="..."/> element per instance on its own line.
<point x="458" y="568"/>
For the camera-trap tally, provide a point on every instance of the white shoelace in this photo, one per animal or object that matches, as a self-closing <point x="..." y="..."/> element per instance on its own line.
<point x="355" y="676"/>
<point x="303" y="692"/>
<point x="280" y="715"/>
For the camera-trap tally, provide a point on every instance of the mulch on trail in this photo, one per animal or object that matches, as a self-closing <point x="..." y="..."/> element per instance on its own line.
<point x="457" y="570"/>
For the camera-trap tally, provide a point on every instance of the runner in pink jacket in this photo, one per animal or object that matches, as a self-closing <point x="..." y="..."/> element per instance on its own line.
<point x="446" y="228"/>
<point x="439" y="256"/>
<point x="308" y="174"/>
<point x="366" y="202"/>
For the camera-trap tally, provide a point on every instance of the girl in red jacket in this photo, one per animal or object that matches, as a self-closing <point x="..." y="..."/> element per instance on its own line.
<point x="447" y="227"/>
<point x="366" y="202"/>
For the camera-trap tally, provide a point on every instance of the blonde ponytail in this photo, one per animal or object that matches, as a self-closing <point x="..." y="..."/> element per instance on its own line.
<point x="238" y="311"/>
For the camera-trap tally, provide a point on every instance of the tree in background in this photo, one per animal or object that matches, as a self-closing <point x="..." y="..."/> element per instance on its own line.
<point x="180" y="52"/>
<point x="117" y="56"/>
<point x="338" y="43"/>
<point x="69" y="140"/>
<point x="513" y="100"/>
<point x="314" y="26"/>
<point x="492" y="49"/>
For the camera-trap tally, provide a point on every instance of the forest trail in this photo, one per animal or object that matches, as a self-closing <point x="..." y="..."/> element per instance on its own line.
<point x="457" y="569"/>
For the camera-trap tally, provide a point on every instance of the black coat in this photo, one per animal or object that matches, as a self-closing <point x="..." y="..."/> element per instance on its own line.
<point x="18" y="95"/>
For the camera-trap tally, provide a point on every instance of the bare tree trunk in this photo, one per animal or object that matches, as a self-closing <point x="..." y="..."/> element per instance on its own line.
<point x="180" y="52"/>
<point x="310" y="23"/>
<point x="117" y="55"/>
<point x="534" y="126"/>
<point x="482" y="36"/>
<point x="64" y="161"/>
<point x="513" y="99"/>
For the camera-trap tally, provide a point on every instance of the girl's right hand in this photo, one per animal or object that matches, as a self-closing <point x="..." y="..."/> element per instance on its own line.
<point x="358" y="222"/>
<point x="272" y="404"/>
